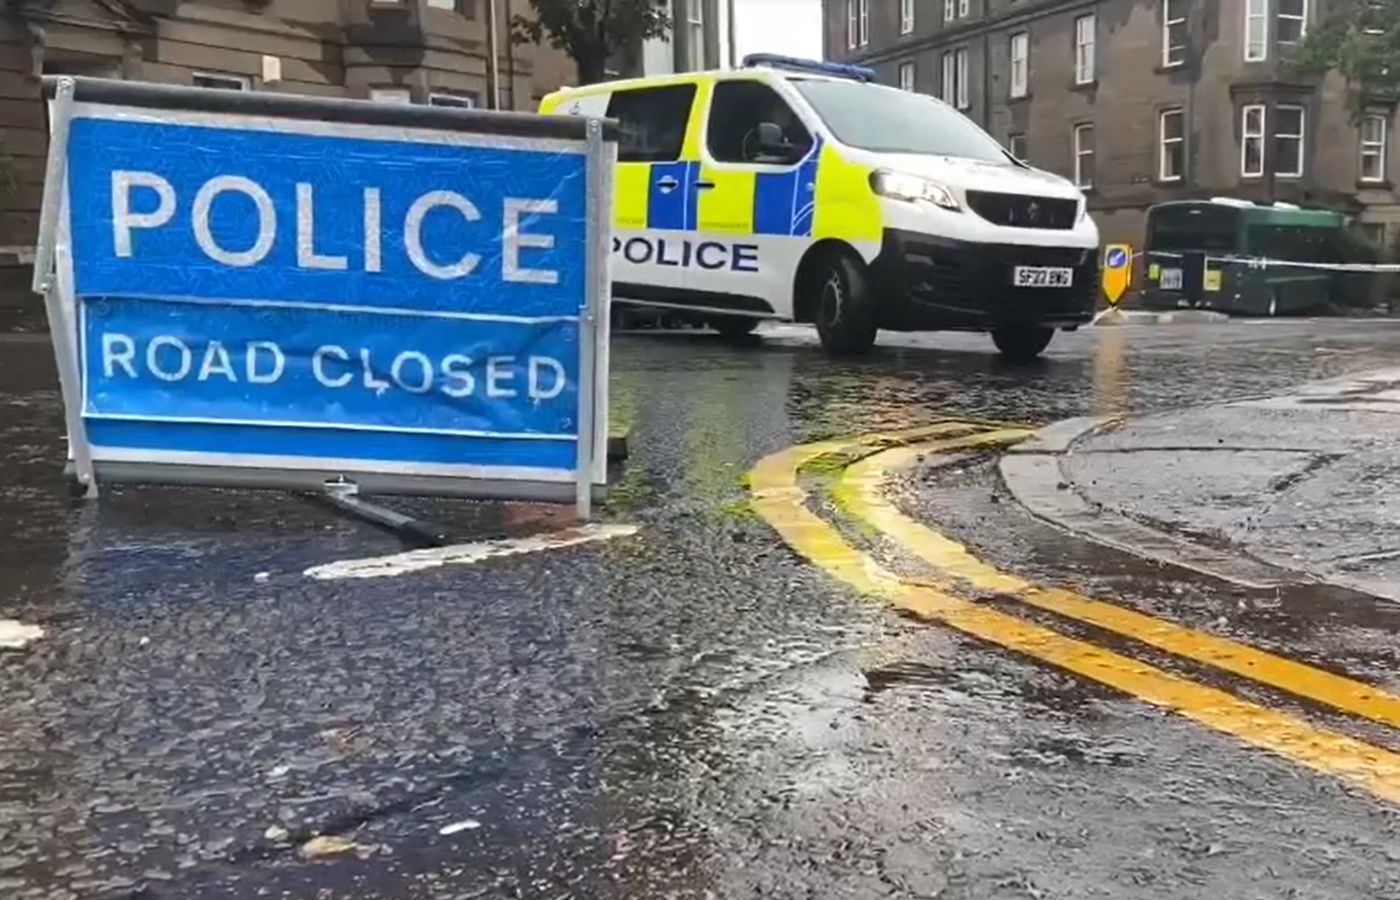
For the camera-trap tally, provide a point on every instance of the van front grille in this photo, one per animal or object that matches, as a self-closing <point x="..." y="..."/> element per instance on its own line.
<point x="1022" y="211"/>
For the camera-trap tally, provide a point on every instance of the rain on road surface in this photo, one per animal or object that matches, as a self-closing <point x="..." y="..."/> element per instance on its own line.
<point x="693" y="711"/>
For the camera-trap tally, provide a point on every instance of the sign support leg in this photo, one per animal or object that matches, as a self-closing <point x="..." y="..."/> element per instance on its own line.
<point x="57" y="291"/>
<point x="597" y="206"/>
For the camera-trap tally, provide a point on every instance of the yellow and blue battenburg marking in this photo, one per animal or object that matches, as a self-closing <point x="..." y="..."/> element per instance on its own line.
<point x="777" y="203"/>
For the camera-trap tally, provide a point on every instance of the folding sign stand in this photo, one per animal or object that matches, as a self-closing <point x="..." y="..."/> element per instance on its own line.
<point x="271" y="291"/>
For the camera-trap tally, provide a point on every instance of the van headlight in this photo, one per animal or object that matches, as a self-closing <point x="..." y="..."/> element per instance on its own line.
<point x="902" y="186"/>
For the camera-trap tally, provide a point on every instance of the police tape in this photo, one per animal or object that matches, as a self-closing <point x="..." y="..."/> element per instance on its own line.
<point x="1254" y="262"/>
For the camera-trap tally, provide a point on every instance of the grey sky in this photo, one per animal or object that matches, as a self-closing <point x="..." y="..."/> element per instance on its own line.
<point x="793" y="27"/>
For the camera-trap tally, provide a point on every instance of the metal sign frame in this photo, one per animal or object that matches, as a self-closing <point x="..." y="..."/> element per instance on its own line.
<point x="54" y="280"/>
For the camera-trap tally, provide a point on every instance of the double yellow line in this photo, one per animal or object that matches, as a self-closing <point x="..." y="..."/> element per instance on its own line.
<point x="860" y="467"/>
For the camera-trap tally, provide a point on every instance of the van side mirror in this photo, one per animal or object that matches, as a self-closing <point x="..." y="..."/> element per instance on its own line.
<point x="773" y="147"/>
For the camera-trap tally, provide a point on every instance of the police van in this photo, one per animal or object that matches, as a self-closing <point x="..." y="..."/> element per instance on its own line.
<point x="801" y="191"/>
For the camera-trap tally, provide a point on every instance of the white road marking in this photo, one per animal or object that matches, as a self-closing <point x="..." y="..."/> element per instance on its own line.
<point x="16" y="635"/>
<point x="464" y="825"/>
<point x="465" y="554"/>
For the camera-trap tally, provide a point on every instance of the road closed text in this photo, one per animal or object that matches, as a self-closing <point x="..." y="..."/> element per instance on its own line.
<point x="174" y="360"/>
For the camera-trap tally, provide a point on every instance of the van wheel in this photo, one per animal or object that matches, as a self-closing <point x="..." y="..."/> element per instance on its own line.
<point x="1022" y="343"/>
<point x="732" y="328"/>
<point x="844" y="315"/>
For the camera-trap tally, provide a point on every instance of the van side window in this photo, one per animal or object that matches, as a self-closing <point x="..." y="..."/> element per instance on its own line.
<point x="737" y="110"/>
<point x="652" y="122"/>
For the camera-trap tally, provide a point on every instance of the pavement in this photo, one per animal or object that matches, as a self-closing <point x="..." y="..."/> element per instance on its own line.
<point x="223" y="694"/>
<point x="1305" y="482"/>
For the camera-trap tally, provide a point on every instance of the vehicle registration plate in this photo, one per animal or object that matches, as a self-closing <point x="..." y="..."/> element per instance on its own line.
<point x="1043" y="277"/>
<point x="1170" y="280"/>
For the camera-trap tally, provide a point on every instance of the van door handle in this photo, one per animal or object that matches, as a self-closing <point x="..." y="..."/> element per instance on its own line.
<point x="668" y="184"/>
<point x="704" y="185"/>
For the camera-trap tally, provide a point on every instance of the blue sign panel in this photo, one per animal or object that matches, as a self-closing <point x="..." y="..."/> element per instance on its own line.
<point x="328" y="293"/>
<point x="1117" y="258"/>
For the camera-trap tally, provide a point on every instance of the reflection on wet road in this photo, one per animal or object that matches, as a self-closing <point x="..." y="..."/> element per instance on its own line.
<point x="695" y="710"/>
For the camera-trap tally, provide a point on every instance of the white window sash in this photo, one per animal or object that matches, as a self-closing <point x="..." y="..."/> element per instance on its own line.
<point x="964" y="8"/>
<point x="1080" y="155"/>
<point x="1020" y="64"/>
<point x="964" y="98"/>
<point x="906" y="76"/>
<point x="1374" y="147"/>
<point x="1165" y="145"/>
<point x="948" y="87"/>
<point x="906" y="16"/>
<point x="1257" y="134"/>
<point x="1084" y="28"/>
<point x="1168" y="22"/>
<point x="864" y="22"/>
<point x="950" y="11"/>
<point x="1299" y="137"/>
<point x="851" y="26"/>
<point x="1256" y="30"/>
<point x="1301" y="18"/>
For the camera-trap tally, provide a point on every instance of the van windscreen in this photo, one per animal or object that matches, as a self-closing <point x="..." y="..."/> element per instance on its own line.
<point x="886" y="120"/>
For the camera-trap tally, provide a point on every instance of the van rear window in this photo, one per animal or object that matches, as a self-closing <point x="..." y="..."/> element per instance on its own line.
<point x="652" y="121"/>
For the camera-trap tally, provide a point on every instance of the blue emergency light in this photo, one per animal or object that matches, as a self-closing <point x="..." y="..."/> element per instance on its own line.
<point x="813" y="66"/>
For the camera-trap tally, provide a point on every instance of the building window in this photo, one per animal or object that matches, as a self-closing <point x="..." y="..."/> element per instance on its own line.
<point x="1252" y="132"/>
<point x="1174" y="14"/>
<point x="400" y="96"/>
<point x="454" y="5"/>
<point x="1084" y="156"/>
<point x="906" y="76"/>
<point x="906" y="16"/>
<point x="1084" y="28"/>
<point x="863" y="23"/>
<point x="1016" y="146"/>
<point x="695" y="34"/>
<point x="1373" y="146"/>
<point x="964" y="100"/>
<point x="964" y="8"/>
<point x="1256" y="30"/>
<point x="948" y="87"/>
<point x="851" y="26"/>
<point x="1020" y="64"/>
<point x="950" y="10"/>
<point x="1292" y="21"/>
<point x="1375" y="233"/>
<point x="221" y="81"/>
<point x="1171" y="165"/>
<point x="461" y="101"/>
<point x="1290" y="130"/>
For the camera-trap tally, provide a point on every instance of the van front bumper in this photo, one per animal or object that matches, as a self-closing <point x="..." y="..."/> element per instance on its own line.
<point x="923" y="282"/>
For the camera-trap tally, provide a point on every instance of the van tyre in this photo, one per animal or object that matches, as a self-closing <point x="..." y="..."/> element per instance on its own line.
<point x="845" y="314"/>
<point x="1022" y="343"/>
<point x="734" y="328"/>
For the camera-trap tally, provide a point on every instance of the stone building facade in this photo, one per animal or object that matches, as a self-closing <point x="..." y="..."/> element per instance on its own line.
<point x="415" y="51"/>
<point x="1142" y="101"/>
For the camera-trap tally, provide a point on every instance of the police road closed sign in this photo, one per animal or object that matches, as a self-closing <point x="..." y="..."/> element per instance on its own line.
<point x="415" y="305"/>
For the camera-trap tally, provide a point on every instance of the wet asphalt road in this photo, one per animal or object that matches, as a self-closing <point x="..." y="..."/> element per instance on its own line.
<point x="690" y="712"/>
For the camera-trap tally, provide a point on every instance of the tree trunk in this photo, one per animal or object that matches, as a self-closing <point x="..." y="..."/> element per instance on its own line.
<point x="592" y="67"/>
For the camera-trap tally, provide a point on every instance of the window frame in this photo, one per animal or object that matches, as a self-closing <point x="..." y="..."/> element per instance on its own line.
<point x="964" y="8"/>
<point x="1080" y="129"/>
<point x="1012" y="140"/>
<point x="963" y="62"/>
<point x="1164" y="143"/>
<point x="473" y="100"/>
<point x="1301" y="137"/>
<point x="906" y="16"/>
<point x="1262" y="137"/>
<point x="1302" y="19"/>
<point x="228" y="79"/>
<point x="906" y="66"/>
<point x="1376" y="149"/>
<point x="948" y="83"/>
<point x="1256" y="12"/>
<point x="695" y="34"/>
<point x="852" y="27"/>
<point x="1019" y="88"/>
<point x="950" y="11"/>
<point x="863" y="8"/>
<point x="1168" y="23"/>
<point x="1086" y="51"/>
<point x="380" y="94"/>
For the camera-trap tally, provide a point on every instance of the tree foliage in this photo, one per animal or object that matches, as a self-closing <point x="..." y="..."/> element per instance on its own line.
<point x="591" y="31"/>
<point x="1361" y="39"/>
